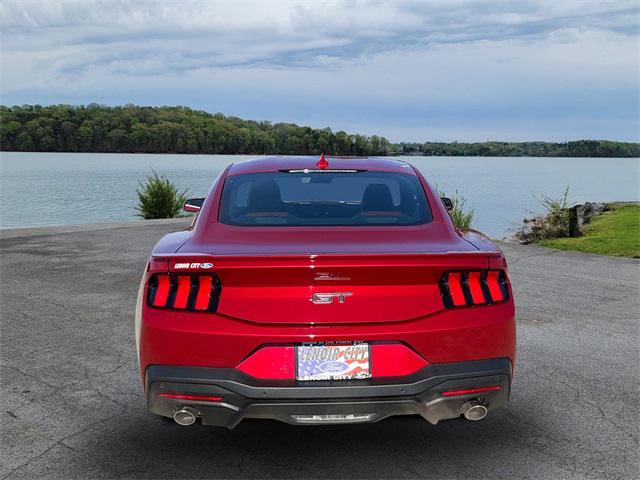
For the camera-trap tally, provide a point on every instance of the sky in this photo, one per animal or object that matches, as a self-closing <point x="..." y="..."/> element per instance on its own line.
<point x="409" y="70"/>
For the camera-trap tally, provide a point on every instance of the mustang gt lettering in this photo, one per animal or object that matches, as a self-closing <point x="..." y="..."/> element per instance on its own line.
<point x="319" y="291"/>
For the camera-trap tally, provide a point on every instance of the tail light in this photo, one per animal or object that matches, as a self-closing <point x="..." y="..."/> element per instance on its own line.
<point x="192" y="292"/>
<point x="471" y="288"/>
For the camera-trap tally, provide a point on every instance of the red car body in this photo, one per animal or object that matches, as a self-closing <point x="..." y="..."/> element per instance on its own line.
<point x="224" y="309"/>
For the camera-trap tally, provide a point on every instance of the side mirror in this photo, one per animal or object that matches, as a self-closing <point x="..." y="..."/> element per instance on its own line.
<point x="448" y="204"/>
<point x="193" y="205"/>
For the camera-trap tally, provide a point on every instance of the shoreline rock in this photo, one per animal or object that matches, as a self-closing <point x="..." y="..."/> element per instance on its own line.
<point x="568" y="222"/>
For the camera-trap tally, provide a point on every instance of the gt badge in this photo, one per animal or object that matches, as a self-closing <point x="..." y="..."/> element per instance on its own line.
<point x="326" y="298"/>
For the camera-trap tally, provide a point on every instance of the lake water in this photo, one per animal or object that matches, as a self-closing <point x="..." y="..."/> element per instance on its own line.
<point x="39" y="189"/>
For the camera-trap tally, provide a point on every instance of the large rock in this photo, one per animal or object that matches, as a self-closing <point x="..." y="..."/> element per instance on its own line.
<point x="588" y="210"/>
<point x="554" y="226"/>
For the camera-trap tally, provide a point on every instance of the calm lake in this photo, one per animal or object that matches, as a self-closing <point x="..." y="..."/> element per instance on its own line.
<point x="38" y="189"/>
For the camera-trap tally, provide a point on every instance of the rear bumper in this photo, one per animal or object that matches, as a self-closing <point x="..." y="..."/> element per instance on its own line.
<point x="242" y="396"/>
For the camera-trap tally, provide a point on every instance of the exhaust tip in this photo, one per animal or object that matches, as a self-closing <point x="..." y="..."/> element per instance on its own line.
<point x="474" y="411"/>
<point x="185" y="416"/>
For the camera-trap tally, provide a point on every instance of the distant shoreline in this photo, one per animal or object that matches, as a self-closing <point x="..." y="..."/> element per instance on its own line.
<point x="166" y="130"/>
<point x="306" y="154"/>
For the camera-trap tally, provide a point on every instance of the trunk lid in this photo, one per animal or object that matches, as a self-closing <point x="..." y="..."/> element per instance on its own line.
<point x="323" y="289"/>
<point x="220" y="239"/>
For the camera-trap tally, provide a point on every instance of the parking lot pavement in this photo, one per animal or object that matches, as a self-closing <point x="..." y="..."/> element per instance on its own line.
<point x="72" y="405"/>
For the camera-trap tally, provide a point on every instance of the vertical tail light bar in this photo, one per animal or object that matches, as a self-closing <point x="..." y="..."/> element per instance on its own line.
<point x="160" y="288"/>
<point x="471" y="288"/>
<point x="497" y="285"/>
<point x="183" y="288"/>
<point x="454" y="284"/>
<point x="191" y="292"/>
<point x="474" y="283"/>
<point x="203" y="298"/>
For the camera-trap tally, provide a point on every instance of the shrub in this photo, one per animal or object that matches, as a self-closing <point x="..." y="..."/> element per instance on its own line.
<point x="159" y="198"/>
<point x="556" y="218"/>
<point x="553" y="223"/>
<point x="461" y="216"/>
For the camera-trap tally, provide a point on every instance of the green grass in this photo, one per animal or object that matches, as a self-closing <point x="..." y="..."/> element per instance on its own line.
<point x="616" y="232"/>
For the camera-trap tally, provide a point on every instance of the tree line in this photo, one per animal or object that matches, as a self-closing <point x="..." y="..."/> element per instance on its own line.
<point x="577" y="148"/>
<point x="136" y="129"/>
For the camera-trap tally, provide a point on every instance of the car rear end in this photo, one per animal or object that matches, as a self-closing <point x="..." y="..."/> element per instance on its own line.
<point x="321" y="302"/>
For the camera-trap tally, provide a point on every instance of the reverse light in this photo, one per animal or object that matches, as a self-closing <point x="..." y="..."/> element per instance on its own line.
<point x="471" y="288"/>
<point x="191" y="292"/>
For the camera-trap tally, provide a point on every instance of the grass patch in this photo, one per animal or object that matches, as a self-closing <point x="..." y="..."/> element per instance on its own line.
<point x="616" y="232"/>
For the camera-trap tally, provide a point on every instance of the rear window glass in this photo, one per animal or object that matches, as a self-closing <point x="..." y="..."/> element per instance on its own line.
<point x="324" y="198"/>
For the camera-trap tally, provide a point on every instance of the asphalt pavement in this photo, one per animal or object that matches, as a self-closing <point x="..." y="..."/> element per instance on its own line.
<point x="72" y="404"/>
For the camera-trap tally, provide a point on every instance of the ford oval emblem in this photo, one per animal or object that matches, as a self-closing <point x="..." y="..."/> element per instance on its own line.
<point x="206" y="265"/>
<point x="333" y="367"/>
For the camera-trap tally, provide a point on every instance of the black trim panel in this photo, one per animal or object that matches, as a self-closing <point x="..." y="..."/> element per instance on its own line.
<point x="245" y="397"/>
<point x="250" y="387"/>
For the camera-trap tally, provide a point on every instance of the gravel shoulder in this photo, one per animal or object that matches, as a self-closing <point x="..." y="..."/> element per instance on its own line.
<point x="72" y="405"/>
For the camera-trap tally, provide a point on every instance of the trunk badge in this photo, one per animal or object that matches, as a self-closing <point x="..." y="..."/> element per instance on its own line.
<point x="326" y="276"/>
<point x="327" y="298"/>
<point x="179" y="266"/>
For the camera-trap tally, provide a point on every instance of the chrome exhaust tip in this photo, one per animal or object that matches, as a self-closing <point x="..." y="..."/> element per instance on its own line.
<point x="474" y="411"/>
<point x="185" y="416"/>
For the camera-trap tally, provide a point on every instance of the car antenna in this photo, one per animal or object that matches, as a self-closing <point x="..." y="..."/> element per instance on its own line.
<point x="322" y="163"/>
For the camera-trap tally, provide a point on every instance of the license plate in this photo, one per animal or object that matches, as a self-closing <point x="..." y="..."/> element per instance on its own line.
<point x="333" y="361"/>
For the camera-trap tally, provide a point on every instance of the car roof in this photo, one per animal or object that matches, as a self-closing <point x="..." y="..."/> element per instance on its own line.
<point x="273" y="164"/>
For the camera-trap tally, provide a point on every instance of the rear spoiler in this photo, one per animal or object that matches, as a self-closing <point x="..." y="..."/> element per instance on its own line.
<point x="206" y="262"/>
<point x="326" y="170"/>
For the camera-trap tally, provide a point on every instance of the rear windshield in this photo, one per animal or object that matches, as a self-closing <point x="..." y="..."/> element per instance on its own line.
<point x="324" y="198"/>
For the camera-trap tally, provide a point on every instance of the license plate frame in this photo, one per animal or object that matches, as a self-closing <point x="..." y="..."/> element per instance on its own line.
<point x="333" y="361"/>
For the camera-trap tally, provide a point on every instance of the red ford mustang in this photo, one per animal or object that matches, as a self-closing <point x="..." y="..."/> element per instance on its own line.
<point x="330" y="291"/>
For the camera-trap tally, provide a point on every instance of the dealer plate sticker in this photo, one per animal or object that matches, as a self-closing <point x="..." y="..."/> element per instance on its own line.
<point x="333" y="361"/>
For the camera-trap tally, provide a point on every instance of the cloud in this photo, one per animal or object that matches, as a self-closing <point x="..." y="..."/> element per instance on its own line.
<point x="454" y="67"/>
